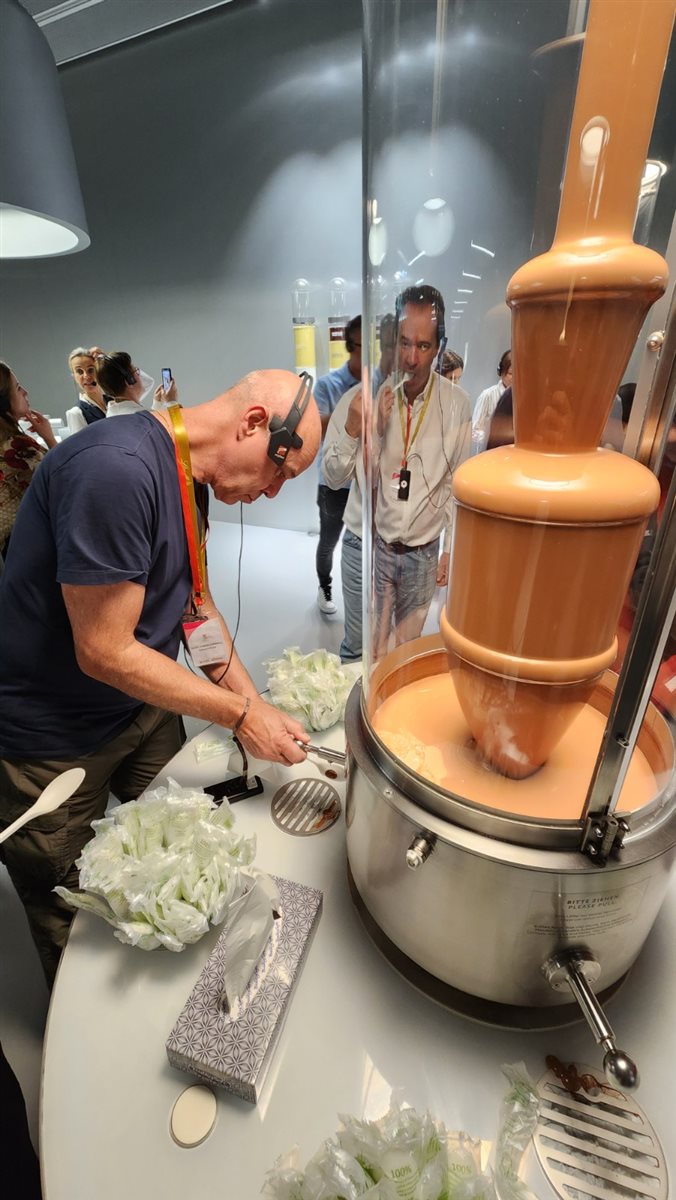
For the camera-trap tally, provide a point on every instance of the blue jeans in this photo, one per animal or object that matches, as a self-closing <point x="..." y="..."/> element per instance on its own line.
<point x="331" y="508"/>
<point x="350" y="568"/>
<point x="405" y="578"/>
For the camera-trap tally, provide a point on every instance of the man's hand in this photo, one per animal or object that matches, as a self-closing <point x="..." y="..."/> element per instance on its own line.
<point x="354" y="418"/>
<point x="268" y="733"/>
<point x="385" y="403"/>
<point x="442" y="569"/>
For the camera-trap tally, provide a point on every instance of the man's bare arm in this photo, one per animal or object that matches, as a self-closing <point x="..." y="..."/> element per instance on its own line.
<point x="104" y="619"/>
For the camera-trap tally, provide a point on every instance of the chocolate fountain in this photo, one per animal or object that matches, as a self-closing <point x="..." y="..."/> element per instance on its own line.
<point x="511" y="814"/>
<point x="553" y="508"/>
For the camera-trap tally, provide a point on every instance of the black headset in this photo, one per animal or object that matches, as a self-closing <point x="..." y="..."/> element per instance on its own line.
<point x="127" y="374"/>
<point x="283" y="436"/>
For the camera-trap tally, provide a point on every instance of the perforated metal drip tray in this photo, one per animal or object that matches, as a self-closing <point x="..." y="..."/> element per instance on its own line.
<point x="597" y="1146"/>
<point x="305" y="806"/>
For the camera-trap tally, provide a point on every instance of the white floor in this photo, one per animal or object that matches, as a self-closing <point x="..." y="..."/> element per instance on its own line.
<point x="278" y="609"/>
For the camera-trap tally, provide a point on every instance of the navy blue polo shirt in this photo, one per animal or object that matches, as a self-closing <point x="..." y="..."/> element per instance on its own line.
<point x="103" y="507"/>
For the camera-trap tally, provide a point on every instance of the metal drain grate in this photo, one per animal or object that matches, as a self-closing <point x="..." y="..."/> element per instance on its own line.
<point x="305" y="806"/>
<point x="597" y="1147"/>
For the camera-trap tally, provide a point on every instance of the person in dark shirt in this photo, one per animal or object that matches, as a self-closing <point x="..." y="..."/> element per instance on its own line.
<point x="96" y="584"/>
<point x="501" y="428"/>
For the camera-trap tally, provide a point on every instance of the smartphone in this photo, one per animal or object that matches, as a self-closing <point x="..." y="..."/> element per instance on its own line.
<point x="234" y="789"/>
<point x="166" y="378"/>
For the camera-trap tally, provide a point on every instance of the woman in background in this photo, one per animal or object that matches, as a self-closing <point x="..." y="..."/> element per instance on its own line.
<point x="20" y="454"/>
<point x="92" y="402"/>
<point x="451" y="366"/>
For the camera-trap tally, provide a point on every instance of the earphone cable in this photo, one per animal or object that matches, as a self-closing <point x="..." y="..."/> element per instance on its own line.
<point x="222" y="676"/>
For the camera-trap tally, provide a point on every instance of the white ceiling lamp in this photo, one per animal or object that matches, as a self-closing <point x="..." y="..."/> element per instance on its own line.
<point x="433" y="227"/>
<point x="41" y="207"/>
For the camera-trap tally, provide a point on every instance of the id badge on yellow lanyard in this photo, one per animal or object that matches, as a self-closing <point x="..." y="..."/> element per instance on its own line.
<point x="202" y="635"/>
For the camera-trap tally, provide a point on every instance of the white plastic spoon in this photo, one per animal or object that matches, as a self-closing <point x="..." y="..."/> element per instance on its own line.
<point x="56" y="792"/>
<point x="402" y="382"/>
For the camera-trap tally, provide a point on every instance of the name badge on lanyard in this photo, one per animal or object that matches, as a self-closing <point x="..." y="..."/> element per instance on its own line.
<point x="203" y="638"/>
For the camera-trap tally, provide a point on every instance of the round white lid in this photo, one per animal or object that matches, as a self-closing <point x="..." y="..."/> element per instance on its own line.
<point x="193" y="1115"/>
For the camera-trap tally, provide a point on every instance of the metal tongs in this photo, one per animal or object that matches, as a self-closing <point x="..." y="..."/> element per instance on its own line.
<point x="331" y="763"/>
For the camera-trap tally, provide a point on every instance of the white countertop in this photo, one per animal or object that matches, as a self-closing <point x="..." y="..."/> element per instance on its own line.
<point x="354" y="1031"/>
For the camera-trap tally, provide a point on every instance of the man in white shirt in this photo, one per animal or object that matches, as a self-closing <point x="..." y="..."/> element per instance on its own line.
<point x="488" y="401"/>
<point x="343" y="463"/>
<point x="422" y="434"/>
<point x="331" y="501"/>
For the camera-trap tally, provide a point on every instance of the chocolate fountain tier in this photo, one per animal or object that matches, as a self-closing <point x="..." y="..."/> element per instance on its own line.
<point x="415" y="711"/>
<point x="423" y="724"/>
<point x="548" y="542"/>
<point x="577" y="312"/>
<point x="478" y="878"/>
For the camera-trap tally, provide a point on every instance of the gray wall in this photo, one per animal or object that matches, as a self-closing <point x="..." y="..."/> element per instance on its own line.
<point x="219" y="160"/>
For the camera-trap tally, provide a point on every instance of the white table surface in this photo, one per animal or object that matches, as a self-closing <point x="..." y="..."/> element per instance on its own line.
<point x="355" y="1030"/>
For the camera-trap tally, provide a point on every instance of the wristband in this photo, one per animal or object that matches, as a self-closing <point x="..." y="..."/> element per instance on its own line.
<point x="238" y="724"/>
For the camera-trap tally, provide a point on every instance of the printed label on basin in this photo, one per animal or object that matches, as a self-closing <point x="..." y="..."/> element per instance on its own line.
<point x="580" y="914"/>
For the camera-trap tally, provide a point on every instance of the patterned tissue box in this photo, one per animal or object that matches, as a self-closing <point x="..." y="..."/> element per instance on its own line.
<point x="234" y="1049"/>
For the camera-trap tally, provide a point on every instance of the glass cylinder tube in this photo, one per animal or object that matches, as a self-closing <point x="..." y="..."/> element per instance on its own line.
<point x="303" y="328"/>
<point x="338" y="318"/>
<point x="503" y="174"/>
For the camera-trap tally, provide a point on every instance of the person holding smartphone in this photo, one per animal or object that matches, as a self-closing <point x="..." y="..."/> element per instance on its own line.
<point x="126" y="384"/>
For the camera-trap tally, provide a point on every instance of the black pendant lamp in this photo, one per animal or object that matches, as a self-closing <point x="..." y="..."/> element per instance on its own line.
<point x="41" y="208"/>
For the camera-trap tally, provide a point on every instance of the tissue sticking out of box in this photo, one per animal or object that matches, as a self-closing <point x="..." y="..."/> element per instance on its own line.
<point x="246" y="936"/>
<point x="234" y="1049"/>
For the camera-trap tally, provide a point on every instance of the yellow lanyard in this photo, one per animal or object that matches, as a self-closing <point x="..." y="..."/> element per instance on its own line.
<point x="406" y="428"/>
<point x="187" y="489"/>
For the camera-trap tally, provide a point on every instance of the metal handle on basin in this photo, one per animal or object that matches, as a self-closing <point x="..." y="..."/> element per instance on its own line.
<point x="419" y="851"/>
<point x="331" y="763"/>
<point x="577" y="969"/>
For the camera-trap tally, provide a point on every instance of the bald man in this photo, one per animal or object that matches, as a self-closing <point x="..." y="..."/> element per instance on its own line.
<point x="92" y="597"/>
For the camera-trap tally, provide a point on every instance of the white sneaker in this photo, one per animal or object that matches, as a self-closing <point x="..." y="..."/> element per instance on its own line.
<point x="324" y="601"/>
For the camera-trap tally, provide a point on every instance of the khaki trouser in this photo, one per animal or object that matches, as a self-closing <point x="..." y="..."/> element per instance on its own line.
<point x="43" y="853"/>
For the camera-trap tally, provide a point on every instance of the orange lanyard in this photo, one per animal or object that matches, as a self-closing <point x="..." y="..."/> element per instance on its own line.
<point x="406" y="433"/>
<point x="187" y="489"/>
